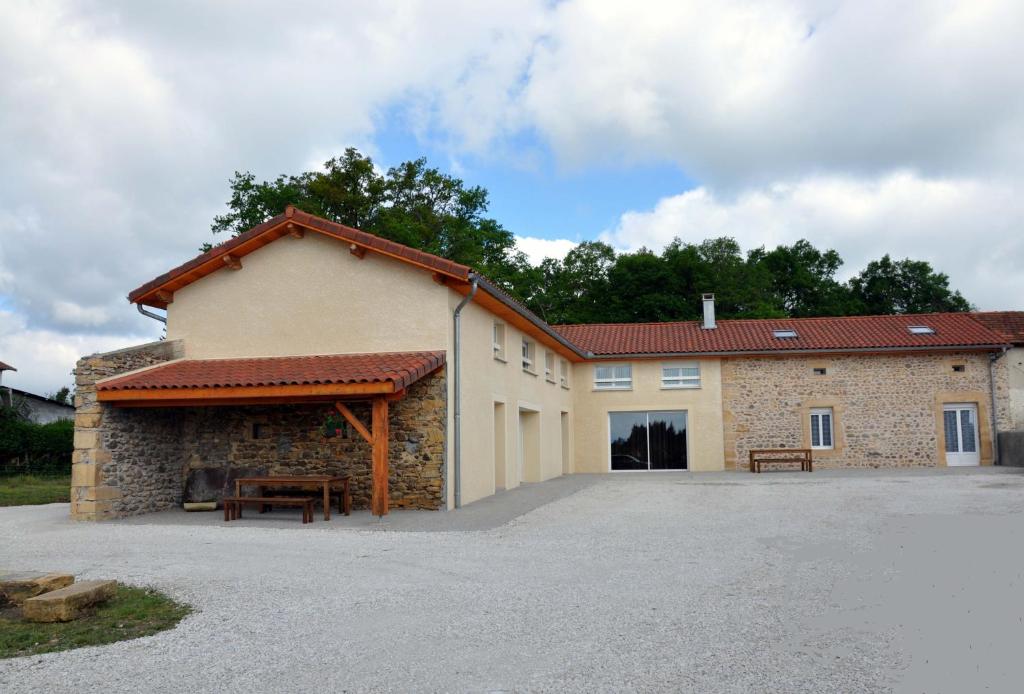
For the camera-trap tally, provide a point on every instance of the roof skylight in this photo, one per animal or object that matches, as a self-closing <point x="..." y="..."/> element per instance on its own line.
<point x="785" y="334"/>
<point x="921" y="330"/>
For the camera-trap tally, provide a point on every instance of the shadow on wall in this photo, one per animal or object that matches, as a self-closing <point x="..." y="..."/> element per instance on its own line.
<point x="1011" y="448"/>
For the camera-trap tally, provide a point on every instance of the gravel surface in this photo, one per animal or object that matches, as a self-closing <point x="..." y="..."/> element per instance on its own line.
<point x="845" y="582"/>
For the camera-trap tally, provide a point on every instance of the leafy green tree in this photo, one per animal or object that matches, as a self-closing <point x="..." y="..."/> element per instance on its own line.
<point x="575" y="289"/>
<point x="64" y="396"/>
<point x="427" y="209"/>
<point x="411" y="203"/>
<point x="802" y="279"/>
<point x="904" y="286"/>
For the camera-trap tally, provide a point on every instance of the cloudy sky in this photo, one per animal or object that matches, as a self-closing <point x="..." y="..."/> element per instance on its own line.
<point x="869" y="127"/>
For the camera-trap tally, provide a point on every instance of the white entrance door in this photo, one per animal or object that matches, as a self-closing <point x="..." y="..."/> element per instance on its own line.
<point x="960" y="425"/>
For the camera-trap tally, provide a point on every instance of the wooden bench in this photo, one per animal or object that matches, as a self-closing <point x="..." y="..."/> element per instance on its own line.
<point x="774" y="456"/>
<point x="233" y="505"/>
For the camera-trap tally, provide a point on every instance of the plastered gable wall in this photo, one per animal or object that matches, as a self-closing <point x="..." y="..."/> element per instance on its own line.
<point x="703" y="407"/>
<point x="310" y="296"/>
<point x="887" y="407"/>
<point x="486" y="381"/>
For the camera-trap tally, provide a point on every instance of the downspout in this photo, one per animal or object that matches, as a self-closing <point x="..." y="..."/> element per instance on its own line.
<point x="150" y="314"/>
<point x="457" y="376"/>
<point x="992" y="359"/>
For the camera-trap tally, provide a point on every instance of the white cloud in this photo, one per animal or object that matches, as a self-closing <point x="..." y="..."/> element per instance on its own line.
<point x="120" y="122"/>
<point x="44" y="359"/>
<point x="966" y="228"/>
<point x="538" y="249"/>
<point x="739" y="92"/>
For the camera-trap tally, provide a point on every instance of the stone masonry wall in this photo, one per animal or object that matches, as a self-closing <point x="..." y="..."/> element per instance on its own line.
<point x="286" y="440"/>
<point x="126" y="461"/>
<point x="887" y="408"/>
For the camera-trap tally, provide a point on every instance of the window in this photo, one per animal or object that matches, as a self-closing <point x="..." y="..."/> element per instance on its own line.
<point x="959" y="368"/>
<point x="528" y="351"/>
<point x="786" y="334"/>
<point x="549" y="366"/>
<point x="613" y="377"/>
<point x="563" y="373"/>
<point x="680" y="376"/>
<point x="821" y="427"/>
<point x="647" y="440"/>
<point x="921" y="330"/>
<point x="820" y="371"/>
<point x="498" y="340"/>
<point x="257" y="431"/>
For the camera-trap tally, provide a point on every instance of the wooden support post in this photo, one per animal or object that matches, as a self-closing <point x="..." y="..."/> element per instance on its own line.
<point x="379" y="497"/>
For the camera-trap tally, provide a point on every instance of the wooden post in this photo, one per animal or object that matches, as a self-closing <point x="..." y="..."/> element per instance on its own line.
<point x="379" y="497"/>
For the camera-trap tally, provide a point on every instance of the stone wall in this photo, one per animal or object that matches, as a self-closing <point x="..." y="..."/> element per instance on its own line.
<point x="126" y="461"/>
<point x="285" y="440"/>
<point x="887" y="408"/>
<point x="129" y="461"/>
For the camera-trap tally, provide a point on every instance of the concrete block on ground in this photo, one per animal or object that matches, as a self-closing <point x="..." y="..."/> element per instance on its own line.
<point x="67" y="604"/>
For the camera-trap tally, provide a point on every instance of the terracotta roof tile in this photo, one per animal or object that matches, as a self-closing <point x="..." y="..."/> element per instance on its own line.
<point x="1009" y="324"/>
<point x="400" y="368"/>
<point x="732" y="336"/>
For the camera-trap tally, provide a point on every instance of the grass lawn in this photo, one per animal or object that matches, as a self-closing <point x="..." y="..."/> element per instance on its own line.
<point x="131" y="613"/>
<point x="23" y="490"/>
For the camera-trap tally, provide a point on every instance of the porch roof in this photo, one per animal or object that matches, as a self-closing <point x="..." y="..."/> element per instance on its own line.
<point x="269" y="379"/>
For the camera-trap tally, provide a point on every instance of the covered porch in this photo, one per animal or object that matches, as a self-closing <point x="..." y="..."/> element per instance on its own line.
<point x="236" y="417"/>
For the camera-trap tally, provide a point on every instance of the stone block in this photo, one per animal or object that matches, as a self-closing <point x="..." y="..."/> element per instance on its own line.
<point x="68" y="603"/>
<point x="84" y="475"/>
<point x="102" y="493"/>
<point x="87" y="438"/>
<point x="17" y="587"/>
<point x="87" y="420"/>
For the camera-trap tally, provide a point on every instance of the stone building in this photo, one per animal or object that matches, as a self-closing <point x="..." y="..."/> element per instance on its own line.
<point x="304" y="346"/>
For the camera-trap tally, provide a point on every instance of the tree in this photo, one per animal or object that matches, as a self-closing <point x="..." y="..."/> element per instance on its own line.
<point x="802" y="279"/>
<point x="64" y="396"/>
<point x="422" y="207"/>
<point x="904" y="286"/>
<point x="411" y="203"/>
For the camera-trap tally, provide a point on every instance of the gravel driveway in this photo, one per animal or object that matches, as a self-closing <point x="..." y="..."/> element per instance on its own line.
<point x="854" y="581"/>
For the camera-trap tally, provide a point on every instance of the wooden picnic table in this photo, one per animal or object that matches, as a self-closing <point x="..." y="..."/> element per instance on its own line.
<point x="322" y="482"/>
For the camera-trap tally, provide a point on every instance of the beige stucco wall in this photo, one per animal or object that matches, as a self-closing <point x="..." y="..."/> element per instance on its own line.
<point x="887" y="407"/>
<point x="1013" y="363"/>
<point x="310" y="296"/>
<point x="703" y="406"/>
<point x="487" y="381"/>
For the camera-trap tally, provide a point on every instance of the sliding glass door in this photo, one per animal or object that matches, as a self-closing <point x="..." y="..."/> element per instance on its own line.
<point x="648" y="440"/>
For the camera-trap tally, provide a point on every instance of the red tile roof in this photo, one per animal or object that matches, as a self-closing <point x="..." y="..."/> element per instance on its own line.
<point x="401" y="368"/>
<point x="1009" y="324"/>
<point x="274" y="228"/>
<point x="6" y="367"/>
<point x="755" y="336"/>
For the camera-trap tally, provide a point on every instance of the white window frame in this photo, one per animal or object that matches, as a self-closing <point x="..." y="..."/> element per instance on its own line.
<point x="549" y="366"/>
<point x="529" y="352"/>
<point x="563" y="373"/>
<point x="613" y="382"/>
<point x="498" y="340"/>
<point x="816" y="413"/>
<point x="680" y="382"/>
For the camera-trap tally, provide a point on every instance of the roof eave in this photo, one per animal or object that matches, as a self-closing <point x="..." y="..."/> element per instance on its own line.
<point x="786" y="352"/>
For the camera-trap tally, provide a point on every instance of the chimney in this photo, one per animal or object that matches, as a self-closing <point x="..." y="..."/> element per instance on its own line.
<point x="709" y="312"/>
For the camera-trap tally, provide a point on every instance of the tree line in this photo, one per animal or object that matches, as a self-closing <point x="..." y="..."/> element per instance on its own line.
<point x="427" y="209"/>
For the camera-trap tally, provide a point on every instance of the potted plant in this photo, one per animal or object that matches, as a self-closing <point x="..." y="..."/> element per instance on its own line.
<point x="332" y="426"/>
